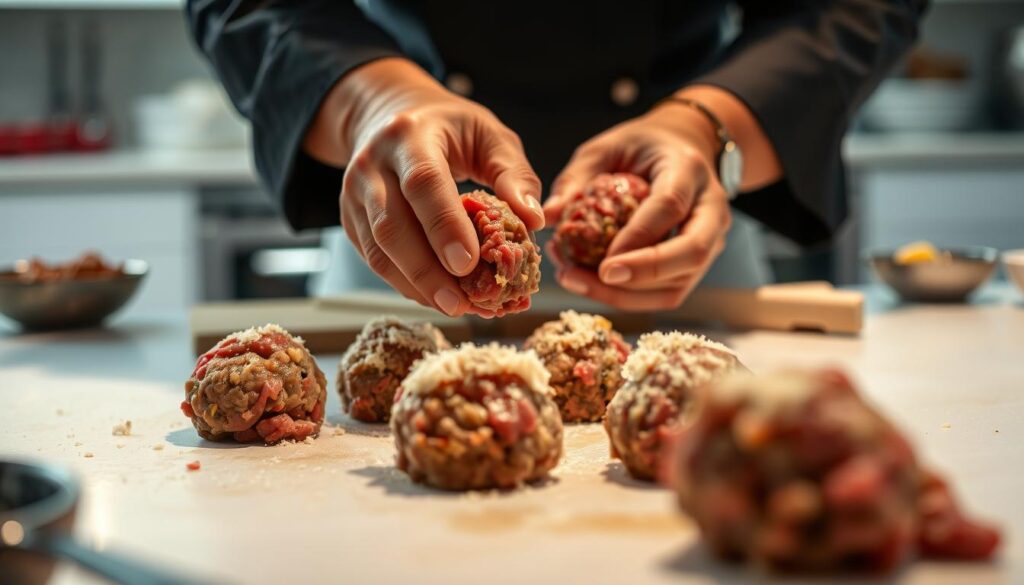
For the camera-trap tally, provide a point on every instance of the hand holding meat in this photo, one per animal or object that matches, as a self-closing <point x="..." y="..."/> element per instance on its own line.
<point x="405" y="141"/>
<point x="648" y="266"/>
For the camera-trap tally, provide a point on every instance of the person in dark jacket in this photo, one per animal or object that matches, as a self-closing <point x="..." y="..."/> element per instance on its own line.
<point x="391" y="103"/>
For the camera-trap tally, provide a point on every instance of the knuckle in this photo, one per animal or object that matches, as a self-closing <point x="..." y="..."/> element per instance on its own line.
<point x="376" y="259"/>
<point x="701" y="251"/>
<point x="398" y="125"/>
<point x="444" y="220"/>
<point x="362" y="161"/>
<point x="421" y="273"/>
<point x="675" y="204"/>
<point x="385" y="230"/>
<point x="419" y="177"/>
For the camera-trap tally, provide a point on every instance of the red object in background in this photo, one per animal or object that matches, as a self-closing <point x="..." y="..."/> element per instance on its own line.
<point x="51" y="137"/>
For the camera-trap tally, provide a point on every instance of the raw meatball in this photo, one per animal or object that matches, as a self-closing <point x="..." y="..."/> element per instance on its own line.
<point x="509" y="268"/>
<point x="477" y="417"/>
<point x="260" y="384"/>
<point x="795" y="472"/>
<point x="661" y="375"/>
<point x="592" y="219"/>
<point x="377" y="362"/>
<point x="584" y="356"/>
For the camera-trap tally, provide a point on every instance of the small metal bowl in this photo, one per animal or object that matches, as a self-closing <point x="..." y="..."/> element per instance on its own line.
<point x="947" y="280"/>
<point x="67" y="304"/>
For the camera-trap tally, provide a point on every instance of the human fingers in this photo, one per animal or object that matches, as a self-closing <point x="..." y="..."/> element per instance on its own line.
<point x="397" y="232"/>
<point x="586" y="283"/>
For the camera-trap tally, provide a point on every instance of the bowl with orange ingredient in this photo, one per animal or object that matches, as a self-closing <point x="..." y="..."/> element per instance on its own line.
<point x="922" y="272"/>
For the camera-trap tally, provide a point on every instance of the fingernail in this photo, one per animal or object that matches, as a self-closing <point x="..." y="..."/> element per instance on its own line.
<point x="573" y="285"/>
<point x="447" y="301"/>
<point x="457" y="256"/>
<point x="617" y="274"/>
<point x="531" y="202"/>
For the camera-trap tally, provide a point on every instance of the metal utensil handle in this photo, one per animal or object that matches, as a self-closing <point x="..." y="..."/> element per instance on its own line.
<point x="113" y="567"/>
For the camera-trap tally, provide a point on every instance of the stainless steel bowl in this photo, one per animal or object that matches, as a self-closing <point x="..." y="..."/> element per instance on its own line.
<point x="948" y="280"/>
<point x="37" y="514"/>
<point x="68" y="304"/>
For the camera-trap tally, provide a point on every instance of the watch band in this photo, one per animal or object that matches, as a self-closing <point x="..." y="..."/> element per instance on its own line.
<point x="727" y="145"/>
<point x="720" y="130"/>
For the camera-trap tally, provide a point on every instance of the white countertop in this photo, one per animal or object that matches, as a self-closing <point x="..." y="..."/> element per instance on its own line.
<point x="337" y="511"/>
<point x="234" y="166"/>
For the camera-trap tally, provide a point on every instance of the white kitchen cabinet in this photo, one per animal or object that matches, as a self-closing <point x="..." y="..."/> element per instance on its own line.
<point x="156" y="225"/>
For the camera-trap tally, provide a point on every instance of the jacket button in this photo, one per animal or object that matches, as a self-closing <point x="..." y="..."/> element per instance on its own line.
<point x="625" y="91"/>
<point x="459" y="83"/>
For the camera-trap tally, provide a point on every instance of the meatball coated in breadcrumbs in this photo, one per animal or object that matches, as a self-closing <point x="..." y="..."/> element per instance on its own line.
<point x="477" y="417"/>
<point x="584" y="356"/>
<point x="593" y="217"/>
<point x="793" y="471"/>
<point x="509" y="268"/>
<point x="377" y="362"/>
<point x="260" y="384"/>
<point x="661" y="376"/>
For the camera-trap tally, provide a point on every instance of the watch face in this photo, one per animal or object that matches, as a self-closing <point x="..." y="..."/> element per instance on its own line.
<point x="730" y="168"/>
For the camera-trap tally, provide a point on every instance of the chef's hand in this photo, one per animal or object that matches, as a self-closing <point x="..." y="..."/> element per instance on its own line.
<point x="405" y="141"/>
<point x="675" y="149"/>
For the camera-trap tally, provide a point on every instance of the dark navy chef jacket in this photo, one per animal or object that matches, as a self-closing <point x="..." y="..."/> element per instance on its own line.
<point x="560" y="72"/>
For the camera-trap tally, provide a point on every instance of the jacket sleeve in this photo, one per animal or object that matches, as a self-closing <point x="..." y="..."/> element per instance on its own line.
<point x="277" y="60"/>
<point x="803" y="68"/>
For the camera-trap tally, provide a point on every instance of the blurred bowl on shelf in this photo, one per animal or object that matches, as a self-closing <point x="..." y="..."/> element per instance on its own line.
<point x="1013" y="260"/>
<point x="950" y="279"/>
<point x="924" y="105"/>
<point x="70" y="303"/>
<point x="195" y="115"/>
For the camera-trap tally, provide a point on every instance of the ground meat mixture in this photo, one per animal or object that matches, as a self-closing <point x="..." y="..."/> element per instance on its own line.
<point x="661" y="375"/>
<point x="477" y="417"/>
<point x="260" y="384"/>
<point x="591" y="220"/>
<point x="88" y="266"/>
<point x="584" y="356"/>
<point x="377" y="362"/>
<point x="795" y="472"/>
<point x="509" y="268"/>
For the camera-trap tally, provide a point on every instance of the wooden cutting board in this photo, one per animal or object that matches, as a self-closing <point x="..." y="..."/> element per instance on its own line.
<point x="329" y="325"/>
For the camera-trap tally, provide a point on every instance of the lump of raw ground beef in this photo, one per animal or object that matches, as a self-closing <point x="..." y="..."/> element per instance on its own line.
<point x="509" y="268"/>
<point x="377" y="362"/>
<point x="592" y="219"/>
<point x="795" y="472"/>
<point x="260" y="384"/>
<point x="661" y="377"/>
<point x="584" y="356"/>
<point x="476" y="417"/>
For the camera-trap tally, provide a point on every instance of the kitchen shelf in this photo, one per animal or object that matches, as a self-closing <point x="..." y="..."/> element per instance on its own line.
<point x="935" y="149"/>
<point x="130" y="167"/>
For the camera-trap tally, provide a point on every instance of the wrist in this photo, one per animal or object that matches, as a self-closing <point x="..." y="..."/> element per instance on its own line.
<point x="691" y="125"/>
<point x="356" y="99"/>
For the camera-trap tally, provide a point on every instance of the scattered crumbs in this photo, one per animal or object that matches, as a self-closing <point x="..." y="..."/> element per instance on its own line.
<point x="87" y="455"/>
<point x="946" y="426"/>
<point x="339" y="431"/>
<point x="122" y="429"/>
<point x="308" y="440"/>
<point x="193" y="465"/>
<point x="158" y="447"/>
<point x="120" y="445"/>
<point x="997" y="431"/>
<point x="78" y="444"/>
<point x="60" y="412"/>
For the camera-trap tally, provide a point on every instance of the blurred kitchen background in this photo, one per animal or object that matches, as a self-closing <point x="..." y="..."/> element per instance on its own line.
<point x="154" y="164"/>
